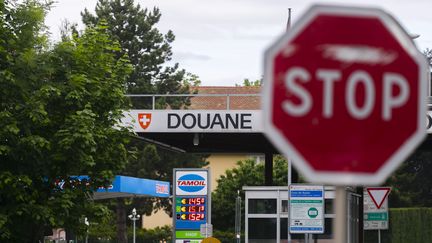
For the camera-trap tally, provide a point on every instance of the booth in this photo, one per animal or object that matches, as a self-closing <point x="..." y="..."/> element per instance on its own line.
<point x="267" y="213"/>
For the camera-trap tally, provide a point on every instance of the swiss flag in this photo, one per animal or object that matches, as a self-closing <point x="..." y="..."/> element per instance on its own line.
<point x="144" y="119"/>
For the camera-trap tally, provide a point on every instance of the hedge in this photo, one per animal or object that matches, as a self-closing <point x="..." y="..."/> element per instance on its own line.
<point x="156" y="235"/>
<point x="406" y="225"/>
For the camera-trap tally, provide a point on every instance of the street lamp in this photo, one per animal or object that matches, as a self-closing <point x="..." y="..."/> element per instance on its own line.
<point x="86" y="222"/>
<point x="134" y="217"/>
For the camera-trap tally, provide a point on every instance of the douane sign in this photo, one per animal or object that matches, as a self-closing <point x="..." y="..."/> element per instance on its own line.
<point x="345" y="95"/>
<point x="203" y="121"/>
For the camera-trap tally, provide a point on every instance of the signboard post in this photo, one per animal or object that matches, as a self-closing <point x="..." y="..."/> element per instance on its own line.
<point x="306" y="209"/>
<point x="429" y="122"/>
<point x="336" y="87"/>
<point x="191" y="205"/>
<point x="375" y="209"/>
<point x="206" y="230"/>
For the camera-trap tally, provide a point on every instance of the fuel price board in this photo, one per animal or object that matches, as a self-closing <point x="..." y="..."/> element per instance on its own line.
<point x="190" y="211"/>
<point x="191" y="205"/>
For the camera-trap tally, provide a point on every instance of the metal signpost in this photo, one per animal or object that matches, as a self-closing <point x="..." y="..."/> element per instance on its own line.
<point x="206" y="230"/>
<point x="306" y="209"/>
<point x="375" y="209"/>
<point x="336" y="87"/>
<point x="191" y="205"/>
<point x="134" y="217"/>
<point x="429" y="122"/>
<point x="238" y="224"/>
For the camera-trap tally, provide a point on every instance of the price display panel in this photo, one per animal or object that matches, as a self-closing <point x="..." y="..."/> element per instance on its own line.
<point x="191" y="212"/>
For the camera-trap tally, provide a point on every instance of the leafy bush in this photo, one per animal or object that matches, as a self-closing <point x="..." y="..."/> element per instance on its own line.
<point x="156" y="235"/>
<point x="411" y="225"/>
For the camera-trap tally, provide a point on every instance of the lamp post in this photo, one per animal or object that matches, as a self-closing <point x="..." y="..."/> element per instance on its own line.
<point x="86" y="222"/>
<point x="238" y="217"/>
<point x="134" y="217"/>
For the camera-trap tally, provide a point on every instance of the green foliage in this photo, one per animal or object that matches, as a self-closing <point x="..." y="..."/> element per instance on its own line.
<point x="156" y="235"/>
<point x="103" y="229"/>
<point x="59" y="107"/>
<point x="148" y="50"/>
<point x="149" y="161"/>
<point x="428" y="54"/>
<point x="249" y="83"/>
<point x="248" y="173"/>
<point x="226" y="236"/>
<point x="411" y="182"/>
<point x="106" y="235"/>
<point x="405" y="225"/>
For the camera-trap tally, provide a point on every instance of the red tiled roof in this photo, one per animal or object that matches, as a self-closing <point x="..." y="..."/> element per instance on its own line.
<point x="220" y="102"/>
<point x="229" y="89"/>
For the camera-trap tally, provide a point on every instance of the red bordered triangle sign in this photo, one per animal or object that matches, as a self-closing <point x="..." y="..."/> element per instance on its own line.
<point x="378" y="195"/>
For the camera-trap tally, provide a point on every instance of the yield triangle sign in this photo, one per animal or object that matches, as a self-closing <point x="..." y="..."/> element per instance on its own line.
<point x="378" y="195"/>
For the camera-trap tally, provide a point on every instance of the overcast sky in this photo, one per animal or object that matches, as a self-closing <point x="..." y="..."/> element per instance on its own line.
<point x="222" y="41"/>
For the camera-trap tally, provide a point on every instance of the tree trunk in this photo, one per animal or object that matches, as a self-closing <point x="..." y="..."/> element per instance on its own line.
<point x="121" y="221"/>
<point x="70" y="236"/>
<point x="36" y="233"/>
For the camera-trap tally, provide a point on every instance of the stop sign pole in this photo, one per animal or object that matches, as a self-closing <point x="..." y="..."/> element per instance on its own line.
<point x="344" y="97"/>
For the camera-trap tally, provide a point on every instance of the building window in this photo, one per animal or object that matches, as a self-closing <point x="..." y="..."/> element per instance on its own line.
<point x="262" y="230"/>
<point x="262" y="206"/>
<point x="284" y="206"/>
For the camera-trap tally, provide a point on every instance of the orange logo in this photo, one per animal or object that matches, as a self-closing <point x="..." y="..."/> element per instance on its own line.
<point x="144" y="119"/>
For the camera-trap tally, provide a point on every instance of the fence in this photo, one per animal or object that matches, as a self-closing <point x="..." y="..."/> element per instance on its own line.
<point x="196" y="101"/>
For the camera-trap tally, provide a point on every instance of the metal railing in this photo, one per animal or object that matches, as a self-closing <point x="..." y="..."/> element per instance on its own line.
<point x="196" y="101"/>
<point x="202" y="101"/>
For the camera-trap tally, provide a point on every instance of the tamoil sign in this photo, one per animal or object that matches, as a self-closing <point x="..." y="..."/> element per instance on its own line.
<point x="191" y="204"/>
<point x="191" y="183"/>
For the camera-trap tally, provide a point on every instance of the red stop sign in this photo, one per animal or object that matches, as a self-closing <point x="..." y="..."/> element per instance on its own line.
<point x="345" y="95"/>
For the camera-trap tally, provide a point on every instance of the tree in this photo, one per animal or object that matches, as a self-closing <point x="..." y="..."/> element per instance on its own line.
<point x="149" y="161"/>
<point x="59" y="107"/>
<point x="156" y="163"/>
<point x="411" y="182"/>
<point x="148" y="50"/>
<point x="248" y="173"/>
<point x="248" y="83"/>
<point x="428" y="54"/>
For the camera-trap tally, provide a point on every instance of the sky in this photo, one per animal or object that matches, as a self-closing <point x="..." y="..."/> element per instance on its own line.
<point x="223" y="41"/>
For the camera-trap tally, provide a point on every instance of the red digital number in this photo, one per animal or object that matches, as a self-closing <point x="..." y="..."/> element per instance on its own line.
<point x="196" y="209"/>
<point x="200" y="200"/>
<point x="191" y="209"/>
<point x="195" y="216"/>
<point x="196" y="200"/>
